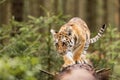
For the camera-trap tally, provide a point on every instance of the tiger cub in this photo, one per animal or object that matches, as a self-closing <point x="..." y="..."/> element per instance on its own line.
<point x="73" y="39"/>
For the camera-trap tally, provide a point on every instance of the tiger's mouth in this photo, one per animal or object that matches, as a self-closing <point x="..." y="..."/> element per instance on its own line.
<point x="62" y="53"/>
<point x="65" y="52"/>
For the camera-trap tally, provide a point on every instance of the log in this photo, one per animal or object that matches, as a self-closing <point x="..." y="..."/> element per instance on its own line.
<point x="77" y="72"/>
<point x="82" y="72"/>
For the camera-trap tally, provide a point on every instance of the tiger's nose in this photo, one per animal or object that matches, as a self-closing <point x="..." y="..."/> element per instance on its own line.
<point x="61" y="52"/>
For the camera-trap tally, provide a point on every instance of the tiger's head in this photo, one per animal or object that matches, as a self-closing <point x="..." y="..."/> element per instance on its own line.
<point x="63" y="41"/>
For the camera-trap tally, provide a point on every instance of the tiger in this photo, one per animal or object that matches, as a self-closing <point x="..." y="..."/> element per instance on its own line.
<point x="73" y="39"/>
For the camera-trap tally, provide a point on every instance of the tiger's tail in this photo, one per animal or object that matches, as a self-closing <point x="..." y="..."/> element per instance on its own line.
<point x="98" y="36"/>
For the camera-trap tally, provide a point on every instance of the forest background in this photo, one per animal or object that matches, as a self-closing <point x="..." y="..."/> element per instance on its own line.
<point x="26" y="45"/>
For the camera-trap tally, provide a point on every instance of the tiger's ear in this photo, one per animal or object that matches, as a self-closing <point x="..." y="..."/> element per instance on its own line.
<point x="69" y="31"/>
<point x="53" y="32"/>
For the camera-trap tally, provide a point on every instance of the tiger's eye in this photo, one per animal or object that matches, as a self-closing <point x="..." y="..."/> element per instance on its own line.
<point x="63" y="44"/>
<point x="56" y="44"/>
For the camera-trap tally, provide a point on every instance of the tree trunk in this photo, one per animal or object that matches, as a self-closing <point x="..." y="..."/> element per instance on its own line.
<point x="70" y="8"/>
<point x="17" y="9"/>
<point x="76" y="8"/>
<point x="94" y="14"/>
<point x="55" y="6"/>
<point x="105" y="7"/>
<point x="77" y="72"/>
<point x="111" y="12"/>
<point x="82" y="72"/>
<point x="119" y="15"/>
<point x="5" y="12"/>
<point x="91" y="14"/>
<point x="36" y="10"/>
<point x="82" y="11"/>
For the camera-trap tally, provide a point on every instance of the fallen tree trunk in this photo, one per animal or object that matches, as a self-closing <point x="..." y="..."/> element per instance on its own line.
<point x="81" y="72"/>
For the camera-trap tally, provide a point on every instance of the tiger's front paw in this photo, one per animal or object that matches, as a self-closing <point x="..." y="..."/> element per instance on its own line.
<point x="81" y="61"/>
<point x="64" y="65"/>
<point x="68" y="64"/>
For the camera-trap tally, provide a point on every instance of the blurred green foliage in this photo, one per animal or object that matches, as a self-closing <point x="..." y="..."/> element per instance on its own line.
<point x="106" y="52"/>
<point x="26" y="48"/>
<point x="16" y="68"/>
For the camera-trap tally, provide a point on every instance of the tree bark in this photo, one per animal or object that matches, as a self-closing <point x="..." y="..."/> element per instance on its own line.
<point x="55" y="6"/>
<point x="36" y="10"/>
<point x="77" y="72"/>
<point x="105" y="7"/>
<point x="119" y="16"/>
<point x="17" y="9"/>
<point x="77" y="8"/>
<point x="91" y="14"/>
<point x="82" y="9"/>
<point x="111" y="12"/>
<point x="70" y="8"/>
<point x="82" y="72"/>
<point x="5" y="12"/>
